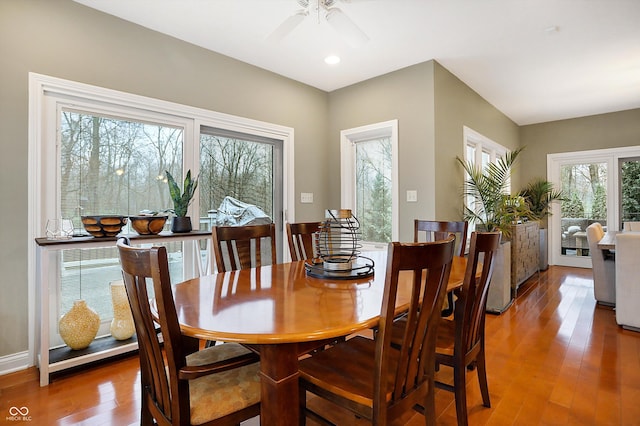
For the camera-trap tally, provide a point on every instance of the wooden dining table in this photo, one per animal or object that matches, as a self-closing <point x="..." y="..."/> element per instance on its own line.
<point x="283" y="312"/>
<point x="608" y="241"/>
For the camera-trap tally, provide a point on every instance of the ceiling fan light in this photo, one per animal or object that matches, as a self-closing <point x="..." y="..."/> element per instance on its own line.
<point x="287" y="26"/>
<point x="352" y="34"/>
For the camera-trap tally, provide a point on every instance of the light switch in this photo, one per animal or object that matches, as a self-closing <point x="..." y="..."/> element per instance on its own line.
<point x="306" y="197"/>
<point x="412" y="196"/>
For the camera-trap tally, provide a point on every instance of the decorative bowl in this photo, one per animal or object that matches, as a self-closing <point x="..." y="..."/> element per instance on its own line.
<point x="104" y="226"/>
<point x="148" y="225"/>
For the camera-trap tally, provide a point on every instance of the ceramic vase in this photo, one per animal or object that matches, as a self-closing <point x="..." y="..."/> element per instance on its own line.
<point x="122" y="326"/>
<point x="79" y="326"/>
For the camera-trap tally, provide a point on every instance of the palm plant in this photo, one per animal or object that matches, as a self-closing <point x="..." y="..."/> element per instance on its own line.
<point x="539" y="194"/>
<point x="494" y="209"/>
<point x="181" y="199"/>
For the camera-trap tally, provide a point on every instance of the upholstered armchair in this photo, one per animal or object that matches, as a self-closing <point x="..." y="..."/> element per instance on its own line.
<point x="628" y="280"/>
<point x="604" y="269"/>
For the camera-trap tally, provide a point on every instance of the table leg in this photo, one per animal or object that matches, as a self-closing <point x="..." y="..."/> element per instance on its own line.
<point x="279" y="384"/>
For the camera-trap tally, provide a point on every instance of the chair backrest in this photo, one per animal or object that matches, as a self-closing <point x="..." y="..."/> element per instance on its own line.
<point x="430" y="265"/>
<point x="604" y="278"/>
<point x="169" y="397"/>
<point x="240" y="247"/>
<point x="631" y="226"/>
<point x="300" y="236"/>
<point x="470" y="309"/>
<point x="439" y="230"/>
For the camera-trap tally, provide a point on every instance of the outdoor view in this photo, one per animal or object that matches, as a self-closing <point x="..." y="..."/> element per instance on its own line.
<point x="373" y="189"/>
<point x="584" y="186"/>
<point x="116" y="166"/>
<point x="630" y="189"/>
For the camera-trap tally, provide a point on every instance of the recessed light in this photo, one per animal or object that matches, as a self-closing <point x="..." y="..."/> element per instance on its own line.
<point x="332" y="59"/>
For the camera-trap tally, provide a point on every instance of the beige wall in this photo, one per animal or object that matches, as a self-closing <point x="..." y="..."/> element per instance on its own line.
<point x="405" y="95"/>
<point x="611" y="130"/>
<point x="456" y="106"/>
<point x="67" y="40"/>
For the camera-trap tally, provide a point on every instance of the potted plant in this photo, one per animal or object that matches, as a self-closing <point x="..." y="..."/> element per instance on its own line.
<point x="181" y="200"/>
<point x="539" y="194"/>
<point x="494" y="209"/>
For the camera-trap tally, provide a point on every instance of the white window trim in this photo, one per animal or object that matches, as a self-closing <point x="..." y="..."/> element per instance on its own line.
<point x="481" y="143"/>
<point x="611" y="156"/>
<point x="47" y="94"/>
<point x="348" y="140"/>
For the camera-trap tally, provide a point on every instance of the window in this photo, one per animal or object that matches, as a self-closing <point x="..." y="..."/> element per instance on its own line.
<point x="480" y="150"/>
<point x="370" y="179"/>
<point x="97" y="151"/>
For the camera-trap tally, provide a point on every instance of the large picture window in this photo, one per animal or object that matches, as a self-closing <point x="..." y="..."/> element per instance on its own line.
<point x="95" y="151"/>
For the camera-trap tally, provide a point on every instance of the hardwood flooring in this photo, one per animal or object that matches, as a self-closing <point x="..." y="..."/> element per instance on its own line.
<point x="553" y="358"/>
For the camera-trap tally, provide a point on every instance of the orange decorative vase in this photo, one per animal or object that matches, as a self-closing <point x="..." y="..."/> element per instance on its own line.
<point x="79" y="326"/>
<point x="122" y="327"/>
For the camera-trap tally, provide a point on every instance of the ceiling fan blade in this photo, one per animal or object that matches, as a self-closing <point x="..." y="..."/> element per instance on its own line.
<point x="352" y="34"/>
<point x="287" y="26"/>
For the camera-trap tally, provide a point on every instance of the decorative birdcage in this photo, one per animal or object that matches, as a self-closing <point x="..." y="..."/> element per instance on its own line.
<point x="338" y="248"/>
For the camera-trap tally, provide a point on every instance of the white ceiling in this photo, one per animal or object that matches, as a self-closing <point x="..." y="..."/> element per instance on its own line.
<point x="534" y="60"/>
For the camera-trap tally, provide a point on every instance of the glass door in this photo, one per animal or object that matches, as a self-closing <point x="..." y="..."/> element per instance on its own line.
<point x="629" y="187"/>
<point x="588" y="186"/>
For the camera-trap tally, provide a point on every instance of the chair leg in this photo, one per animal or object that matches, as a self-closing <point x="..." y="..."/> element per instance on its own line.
<point x="429" y="410"/>
<point x="460" y="390"/>
<point x="482" y="379"/>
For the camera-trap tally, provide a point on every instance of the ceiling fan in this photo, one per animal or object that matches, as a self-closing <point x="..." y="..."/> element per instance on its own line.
<point x="349" y="31"/>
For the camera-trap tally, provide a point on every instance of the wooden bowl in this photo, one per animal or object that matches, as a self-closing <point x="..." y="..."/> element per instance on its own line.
<point x="148" y="225"/>
<point x="104" y="226"/>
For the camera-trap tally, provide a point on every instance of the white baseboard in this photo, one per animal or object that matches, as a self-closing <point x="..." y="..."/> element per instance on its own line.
<point x="14" y="362"/>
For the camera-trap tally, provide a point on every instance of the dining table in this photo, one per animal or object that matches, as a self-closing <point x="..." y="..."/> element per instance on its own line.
<point x="282" y="312"/>
<point x="608" y="241"/>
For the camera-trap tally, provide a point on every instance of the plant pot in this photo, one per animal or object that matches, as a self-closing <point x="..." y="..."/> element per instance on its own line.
<point x="499" y="297"/>
<point x="181" y="224"/>
<point x="544" y="250"/>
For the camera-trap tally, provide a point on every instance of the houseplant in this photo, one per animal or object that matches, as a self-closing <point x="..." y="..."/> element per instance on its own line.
<point x="181" y="200"/>
<point x="539" y="194"/>
<point x="494" y="209"/>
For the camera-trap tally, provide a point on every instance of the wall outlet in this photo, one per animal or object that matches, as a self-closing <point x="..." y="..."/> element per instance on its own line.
<point x="306" y="197"/>
<point x="412" y="196"/>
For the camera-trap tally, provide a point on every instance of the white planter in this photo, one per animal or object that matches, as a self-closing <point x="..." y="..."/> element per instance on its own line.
<point x="499" y="297"/>
<point x="544" y="250"/>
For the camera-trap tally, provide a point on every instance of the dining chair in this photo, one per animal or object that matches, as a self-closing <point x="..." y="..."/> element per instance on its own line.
<point x="603" y="267"/>
<point x="627" y="289"/>
<point x="300" y="236"/>
<point x="182" y="385"/>
<point x="460" y="342"/>
<point x="368" y="376"/>
<point x="433" y="230"/>
<point x="240" y="247"/>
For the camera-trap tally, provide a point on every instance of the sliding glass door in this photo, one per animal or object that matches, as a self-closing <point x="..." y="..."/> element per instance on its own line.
<point x="600" y="186"/>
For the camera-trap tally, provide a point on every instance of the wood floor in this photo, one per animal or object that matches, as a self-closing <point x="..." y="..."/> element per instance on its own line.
<point x="554" y="358"/>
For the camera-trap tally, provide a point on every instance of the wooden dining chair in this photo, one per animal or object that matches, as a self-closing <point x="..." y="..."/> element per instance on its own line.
<point x="370" y="377"/>
<point x="439" y="230"/>
<point x="240" y="247"/>
<point x="183" y="385"/>
<point x="300" y="236"/>
<point x="460" y="342"/>
<point x="433" y="230"/>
